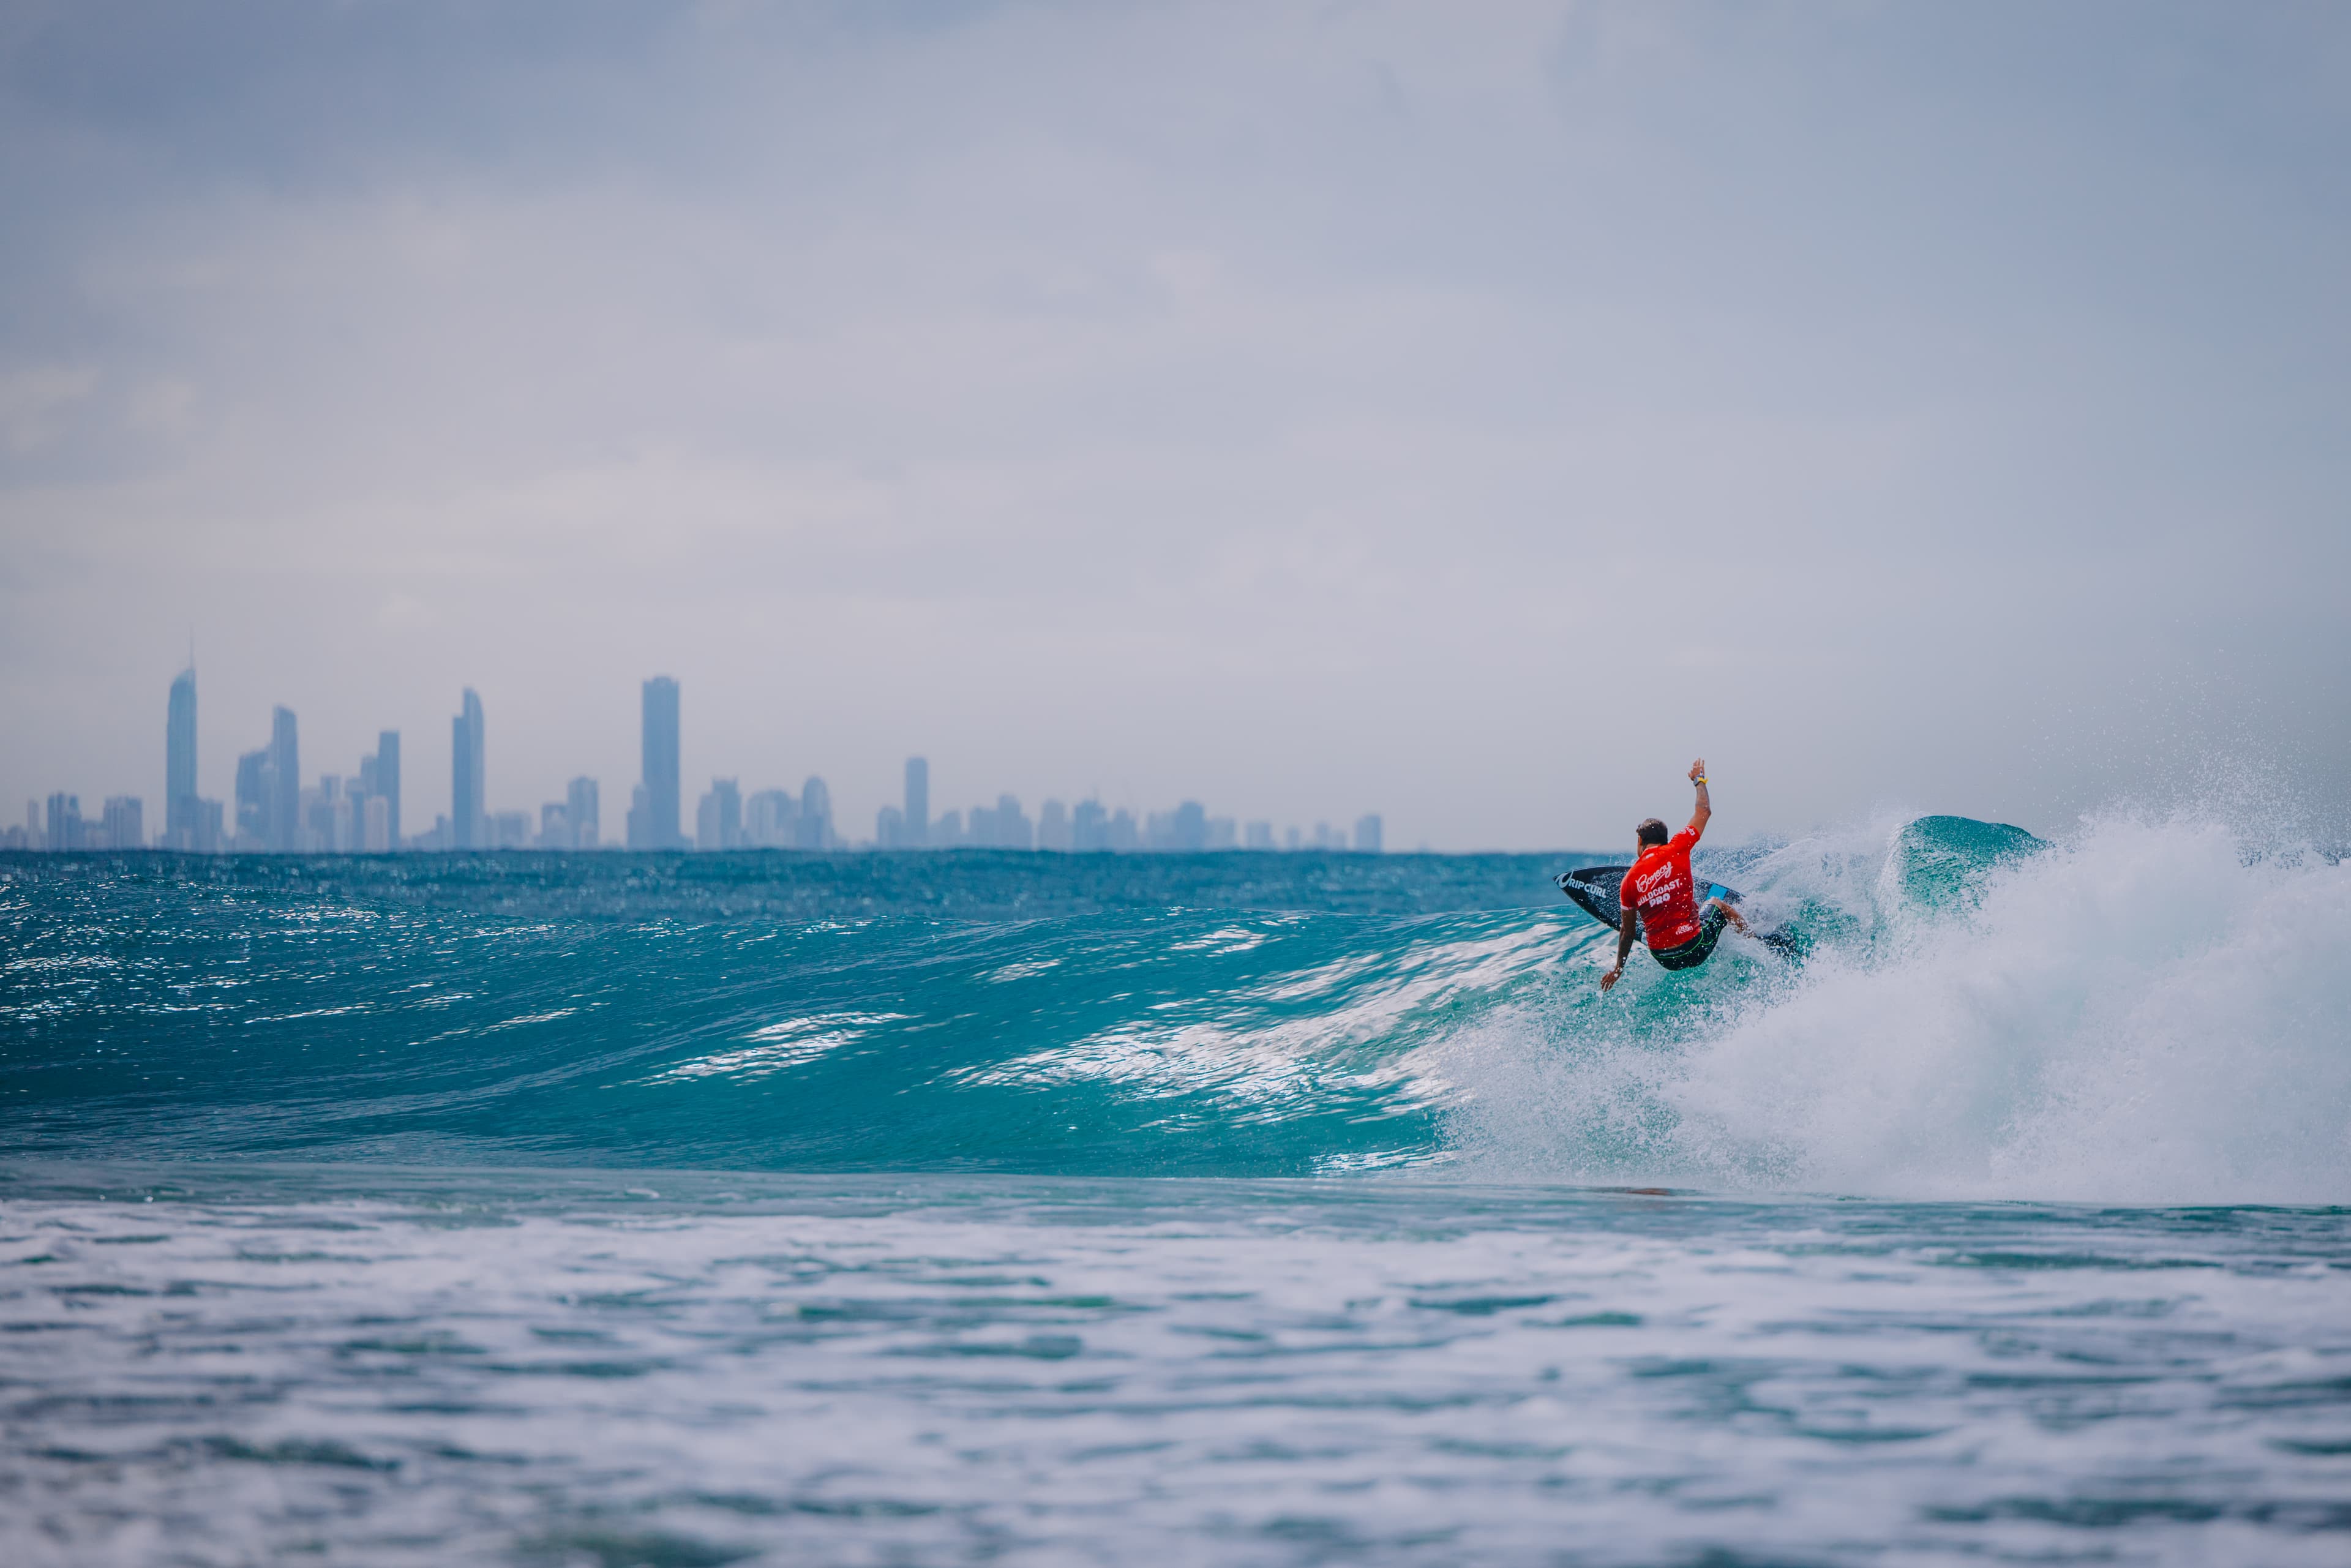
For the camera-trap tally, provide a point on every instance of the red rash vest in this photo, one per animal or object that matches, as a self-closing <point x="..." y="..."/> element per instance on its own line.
<point x="1660" y="887"/>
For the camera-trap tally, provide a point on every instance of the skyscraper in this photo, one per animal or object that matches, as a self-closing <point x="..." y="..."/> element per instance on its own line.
<point x="580" y="811"/>
<point x="65" y="822"/>
<point x="387" y="783"/>
<point x="659" y="821"/>
<point x="468" y="825"/>
<point x="772" y="819"/>
<point x="180" y="812"/>
<point x="915" y="829"/>
<point x="284" y="826"/>
<point x="815" y="826"/>
<point x="255" y="788"/>
<point x="640" y="833"/>
<point x="718" y="818"/>
<point x="125" y="822"/>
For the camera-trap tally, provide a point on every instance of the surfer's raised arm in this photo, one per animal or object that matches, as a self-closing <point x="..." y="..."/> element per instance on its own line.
<point x="1705" y="809"/>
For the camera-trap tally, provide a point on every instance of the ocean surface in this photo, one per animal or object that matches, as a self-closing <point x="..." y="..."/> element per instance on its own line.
<point x="1219" y="1209"/>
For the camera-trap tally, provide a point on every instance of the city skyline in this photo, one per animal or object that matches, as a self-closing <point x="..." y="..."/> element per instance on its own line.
<point x="275" y="811"/>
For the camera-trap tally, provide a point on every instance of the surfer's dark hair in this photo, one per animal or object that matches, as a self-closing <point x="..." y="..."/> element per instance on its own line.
<point x="1652" y="831"/>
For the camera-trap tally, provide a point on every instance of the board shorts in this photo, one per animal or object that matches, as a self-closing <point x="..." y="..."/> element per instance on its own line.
<point x="1698" y="948"/>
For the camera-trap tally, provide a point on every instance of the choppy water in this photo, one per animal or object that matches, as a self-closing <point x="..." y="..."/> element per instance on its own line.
<point x="1228" y="1209"/>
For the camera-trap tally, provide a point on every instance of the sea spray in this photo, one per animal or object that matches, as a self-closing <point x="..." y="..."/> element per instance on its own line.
<point x="2148" y="1011"/>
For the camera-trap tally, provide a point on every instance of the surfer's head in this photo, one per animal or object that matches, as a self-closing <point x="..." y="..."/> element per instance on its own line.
<point x="1652" y="831"/>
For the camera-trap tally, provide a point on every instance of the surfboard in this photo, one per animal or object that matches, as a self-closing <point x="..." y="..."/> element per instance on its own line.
<point x="1593" y="889"/>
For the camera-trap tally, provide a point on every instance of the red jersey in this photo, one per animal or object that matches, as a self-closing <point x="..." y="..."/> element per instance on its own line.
<point x="1659" y="885"/>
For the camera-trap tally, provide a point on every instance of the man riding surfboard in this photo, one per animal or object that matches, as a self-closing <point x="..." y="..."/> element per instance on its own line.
<point x="1659" y="896"/>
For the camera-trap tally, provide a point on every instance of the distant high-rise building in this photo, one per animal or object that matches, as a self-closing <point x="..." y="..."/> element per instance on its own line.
<point x="815" y="828"/>
<point x="357" y="790"/>
<point x="180" y="808"/>
<point x="254" y="790"/>
<point x="1001" y="827"/>
<point x="325" y="818"/>
<point x="376" y="836"/>
<point x="772" y="819"/>
<point x="889" y="829"/>
<point x="374" y="790"/>
<point x="284" y="824"/>
<point x="387" y="783"/>
<point x="1052" y="826"/>
<point x="1088" y="827"/>
<point x="1221" y="834"/>
<point x="580" y="812"/>
<point x="947" y="831"/>
<point x="639" y="825"/>
<point x="718" y="817"/>
<point x="125" y="822"/>
<point x="915" y="832"/>
<point x="1185" y="829"/>
<point x="468" y="810"/>
<point x="1258" y="836"/>
<point x="506" y="831"/>
<point x="65" y="824"/>
<point x="1368" y="834"/>
<point x="1121" y="835"/>
<point x="661" y="829"/>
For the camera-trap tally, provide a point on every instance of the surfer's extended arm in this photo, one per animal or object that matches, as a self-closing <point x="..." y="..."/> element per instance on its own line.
<point x="1626" y="930"/>
<point x="1705" y="806"/>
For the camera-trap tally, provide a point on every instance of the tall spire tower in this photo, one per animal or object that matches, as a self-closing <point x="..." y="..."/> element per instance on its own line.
<point x="180" y="809"/>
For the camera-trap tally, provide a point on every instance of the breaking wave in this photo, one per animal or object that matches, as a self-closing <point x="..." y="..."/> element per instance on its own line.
<point x="2149" y="1010"/>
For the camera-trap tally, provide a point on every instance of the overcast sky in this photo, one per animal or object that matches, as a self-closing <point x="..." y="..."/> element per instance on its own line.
<point x="1465" y="412"/>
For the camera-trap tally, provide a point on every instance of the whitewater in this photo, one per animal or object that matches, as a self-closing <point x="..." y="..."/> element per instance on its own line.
<point x="1220" y="1209"/>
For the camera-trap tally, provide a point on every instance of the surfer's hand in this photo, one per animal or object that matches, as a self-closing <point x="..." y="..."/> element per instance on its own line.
<point x="1697" y="769"/>
<point x="1610" y="978"/>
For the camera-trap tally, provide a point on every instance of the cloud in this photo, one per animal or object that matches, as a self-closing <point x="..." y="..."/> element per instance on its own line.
<point x="1310" y="410"/>
<point x="35" y="402"/>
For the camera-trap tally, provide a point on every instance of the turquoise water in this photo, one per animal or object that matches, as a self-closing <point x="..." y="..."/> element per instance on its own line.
<point x="1221" y="1210"/>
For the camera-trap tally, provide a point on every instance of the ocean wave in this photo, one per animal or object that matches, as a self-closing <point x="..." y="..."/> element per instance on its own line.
<point x="2150" y="1010"/>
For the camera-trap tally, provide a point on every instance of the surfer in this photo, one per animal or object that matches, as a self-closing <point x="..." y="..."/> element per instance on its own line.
<point x="1659" y="897"/>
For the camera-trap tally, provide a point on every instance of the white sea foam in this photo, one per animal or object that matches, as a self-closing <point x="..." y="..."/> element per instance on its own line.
<point x="347" y="1364"/>
<point x="2145" y="1012"/>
